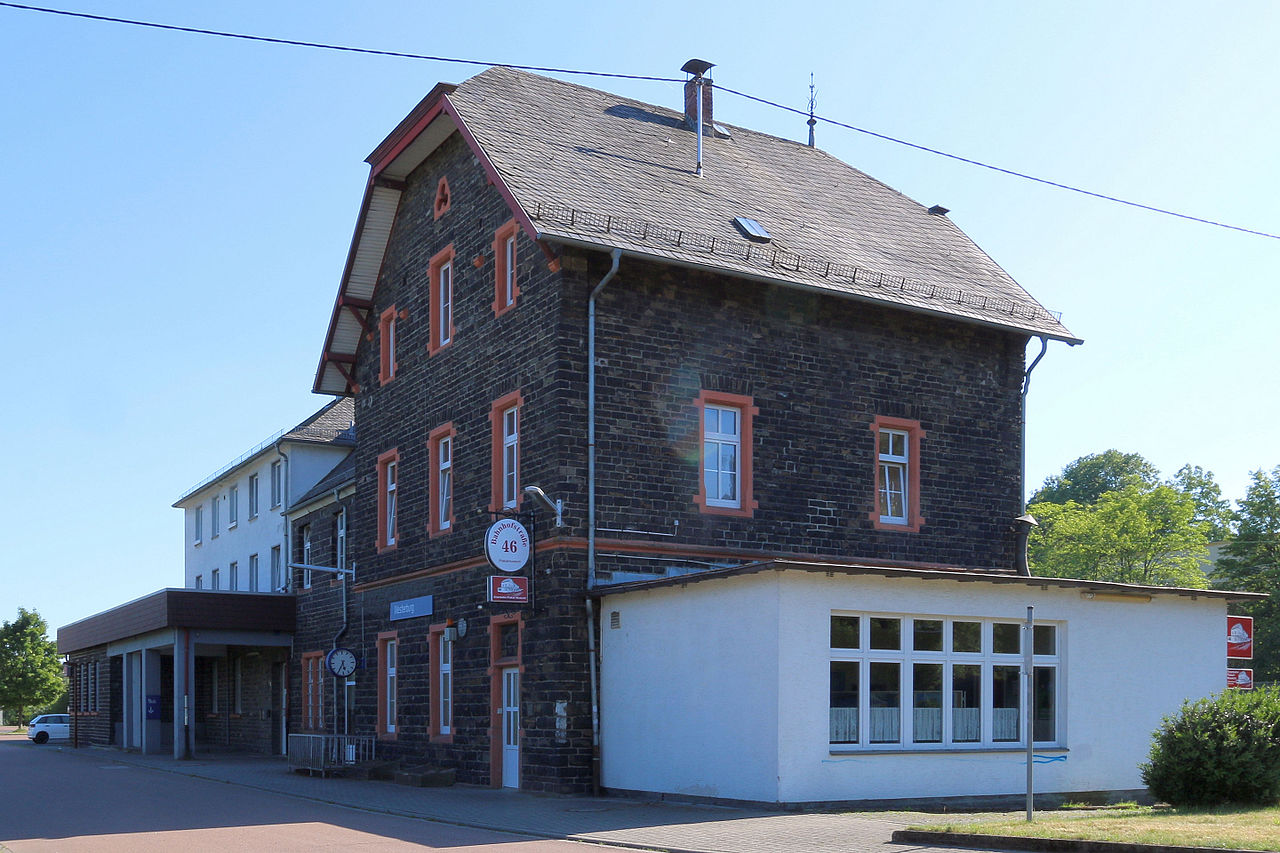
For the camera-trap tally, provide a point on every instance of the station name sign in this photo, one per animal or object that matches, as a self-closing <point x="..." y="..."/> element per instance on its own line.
<point x="410" y="607"/>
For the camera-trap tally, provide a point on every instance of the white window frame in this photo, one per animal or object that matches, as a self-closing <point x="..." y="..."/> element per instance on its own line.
<point x="445" y="670"/>
<point x="713" y="444"/>
<point x="444" y="507"/>
<point x="511" y="456"/>
<point x="215" y="521"/>
<point x="987" y="659"/>
<point x="255" y="582"/>
<point x="444" y="297"/>
<point x="277" y="485"/>
<point x="305" y="535"/>
<point x="509" y="248"/>
<point x="199" y="524"/>
<point x="233" y="506"/>
<point x="277" y="574"/>
<point x="253" y="496"/>
<point x="341" y="545"/>
<point x="199" y="581"/>
<point x="391" y="650"/>
<point x="215" y="579"/>
<point x="894" y="465"/>
<point x="390" y="497"/>
<point x="233" y="576"/>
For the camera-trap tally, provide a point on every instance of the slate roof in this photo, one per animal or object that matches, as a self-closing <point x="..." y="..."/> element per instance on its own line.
<point x="584" y="167"/>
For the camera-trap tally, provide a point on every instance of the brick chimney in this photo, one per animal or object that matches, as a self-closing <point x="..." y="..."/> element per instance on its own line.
<point x="698" y="68"/>
<point x="691" y="101"/>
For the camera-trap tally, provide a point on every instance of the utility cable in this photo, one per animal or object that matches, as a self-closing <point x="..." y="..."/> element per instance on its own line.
<point x="322" y="46"/>
<point x="1000" y="169"/>
<point x="551" y="70"/>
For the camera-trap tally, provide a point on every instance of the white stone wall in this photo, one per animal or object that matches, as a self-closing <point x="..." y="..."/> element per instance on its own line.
<point x="307" y="464"/>
<point x="721" y="688"/>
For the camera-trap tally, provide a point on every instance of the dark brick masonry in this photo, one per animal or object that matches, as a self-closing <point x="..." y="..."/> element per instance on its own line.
<point x="818" y="368"/>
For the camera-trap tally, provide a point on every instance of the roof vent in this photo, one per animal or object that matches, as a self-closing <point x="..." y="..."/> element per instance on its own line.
<point x="754" y="230"/>
<point x="938" y="210"/>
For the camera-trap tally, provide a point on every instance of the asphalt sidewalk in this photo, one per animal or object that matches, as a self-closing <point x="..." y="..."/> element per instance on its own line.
<point x="679" y="828"/>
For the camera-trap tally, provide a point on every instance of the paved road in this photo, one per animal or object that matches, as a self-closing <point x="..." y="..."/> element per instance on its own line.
<point x="54" y="799"/>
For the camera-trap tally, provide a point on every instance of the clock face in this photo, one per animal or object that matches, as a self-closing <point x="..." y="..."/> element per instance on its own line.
<point x="341" y="662"/>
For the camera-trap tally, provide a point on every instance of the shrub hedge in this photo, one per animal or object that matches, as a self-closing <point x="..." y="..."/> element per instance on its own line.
<point x="1216" y="751"/>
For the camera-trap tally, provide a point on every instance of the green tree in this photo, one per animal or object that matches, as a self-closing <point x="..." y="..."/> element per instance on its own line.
<point x="30" y="673"/>
<point x="1089" y="477"/>
<point x="1252" y="563"/>
<point x="1132" y="535"/>
<point x="1211" y="507"/>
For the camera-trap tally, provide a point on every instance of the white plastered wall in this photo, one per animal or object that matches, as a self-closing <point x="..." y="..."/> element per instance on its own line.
<point x="689" y="697"/>
<point x="756" y="650"/>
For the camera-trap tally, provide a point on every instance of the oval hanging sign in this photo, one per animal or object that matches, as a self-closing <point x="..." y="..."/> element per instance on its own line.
<point x="507" y="545"/>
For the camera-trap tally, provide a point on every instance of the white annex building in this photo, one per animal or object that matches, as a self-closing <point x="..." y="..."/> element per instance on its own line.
<point x="236" y="538"/>
<point x="794" y="682"/>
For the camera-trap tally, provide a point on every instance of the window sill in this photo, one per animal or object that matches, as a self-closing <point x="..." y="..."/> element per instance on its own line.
<point x="925" y="749"/>
<point x="232" y="525"/>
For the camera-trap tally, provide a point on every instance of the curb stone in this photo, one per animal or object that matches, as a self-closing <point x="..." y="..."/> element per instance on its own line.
<point x="1049" y="845"/>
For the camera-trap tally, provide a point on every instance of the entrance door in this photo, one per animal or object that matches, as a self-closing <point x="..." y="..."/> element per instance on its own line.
<point x="511" y="727"/>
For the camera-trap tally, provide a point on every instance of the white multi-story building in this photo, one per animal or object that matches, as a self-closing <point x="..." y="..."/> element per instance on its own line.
<point x="235" y="536"/>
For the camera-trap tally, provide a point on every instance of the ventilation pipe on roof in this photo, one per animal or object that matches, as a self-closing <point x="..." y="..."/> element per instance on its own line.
<point x="697" y="99"/>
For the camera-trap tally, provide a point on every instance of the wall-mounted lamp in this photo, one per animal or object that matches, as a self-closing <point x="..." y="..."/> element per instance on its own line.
<point x="556" y="506"/>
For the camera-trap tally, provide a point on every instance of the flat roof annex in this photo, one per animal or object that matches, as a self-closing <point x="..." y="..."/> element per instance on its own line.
<point x="181" y="608"/>
<point x="1107" y="588"/>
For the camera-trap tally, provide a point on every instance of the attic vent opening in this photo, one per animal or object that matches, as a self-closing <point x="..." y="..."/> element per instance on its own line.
<point x="754" y="230"/>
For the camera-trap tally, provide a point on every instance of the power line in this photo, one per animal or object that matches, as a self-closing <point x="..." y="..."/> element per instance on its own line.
<point x="322" y="46"/>
<point x="1000" y="169"/>
<point x="808" y="114"/>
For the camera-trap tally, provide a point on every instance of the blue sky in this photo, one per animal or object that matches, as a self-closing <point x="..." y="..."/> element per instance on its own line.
<point x="176" y="210"/>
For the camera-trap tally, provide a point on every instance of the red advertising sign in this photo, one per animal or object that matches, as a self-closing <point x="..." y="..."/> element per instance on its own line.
<point x="1240" y="679"/>
<point x="509" y="588"/>
<point x="1240" y="637"/>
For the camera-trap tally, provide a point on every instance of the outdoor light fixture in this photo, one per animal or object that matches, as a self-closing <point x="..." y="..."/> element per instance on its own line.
<point x="556" y="506"/>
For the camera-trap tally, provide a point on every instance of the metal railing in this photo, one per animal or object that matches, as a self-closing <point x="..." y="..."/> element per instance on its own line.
<point x="325" y="753"/>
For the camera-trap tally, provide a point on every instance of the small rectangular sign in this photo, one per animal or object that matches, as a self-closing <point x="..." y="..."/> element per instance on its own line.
<point x="509" y="588"/>
<point x="1240" y="679"/>
<point x="153" y="708"/>
<point x="1240" y="637"/>
<point x="410" y="607"/>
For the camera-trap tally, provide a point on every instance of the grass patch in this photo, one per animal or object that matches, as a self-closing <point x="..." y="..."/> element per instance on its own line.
<point x="1240" y="828"/>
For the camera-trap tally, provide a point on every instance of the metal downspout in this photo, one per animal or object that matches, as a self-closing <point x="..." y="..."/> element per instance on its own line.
<point x="287" y="556"/>
<point x="1024" y="522"/>
<point x="616" y="256"/>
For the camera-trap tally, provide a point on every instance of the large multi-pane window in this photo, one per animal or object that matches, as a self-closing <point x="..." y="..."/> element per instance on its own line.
<point x="440" y="272"/>
<point x="921" y="682"/>
<point x="390" y="655"/>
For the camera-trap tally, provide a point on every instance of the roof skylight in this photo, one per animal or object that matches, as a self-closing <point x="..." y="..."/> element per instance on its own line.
<point x="754" y="230"/>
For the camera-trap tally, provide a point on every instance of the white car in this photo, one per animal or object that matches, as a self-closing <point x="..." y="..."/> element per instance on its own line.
<point x="48" y="727"/>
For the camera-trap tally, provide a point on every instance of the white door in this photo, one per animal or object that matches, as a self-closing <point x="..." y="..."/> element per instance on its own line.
<point x="511" y="727"/>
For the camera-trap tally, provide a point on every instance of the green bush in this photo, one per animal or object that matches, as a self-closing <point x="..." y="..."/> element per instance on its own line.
<point x="1220" y="750"/>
